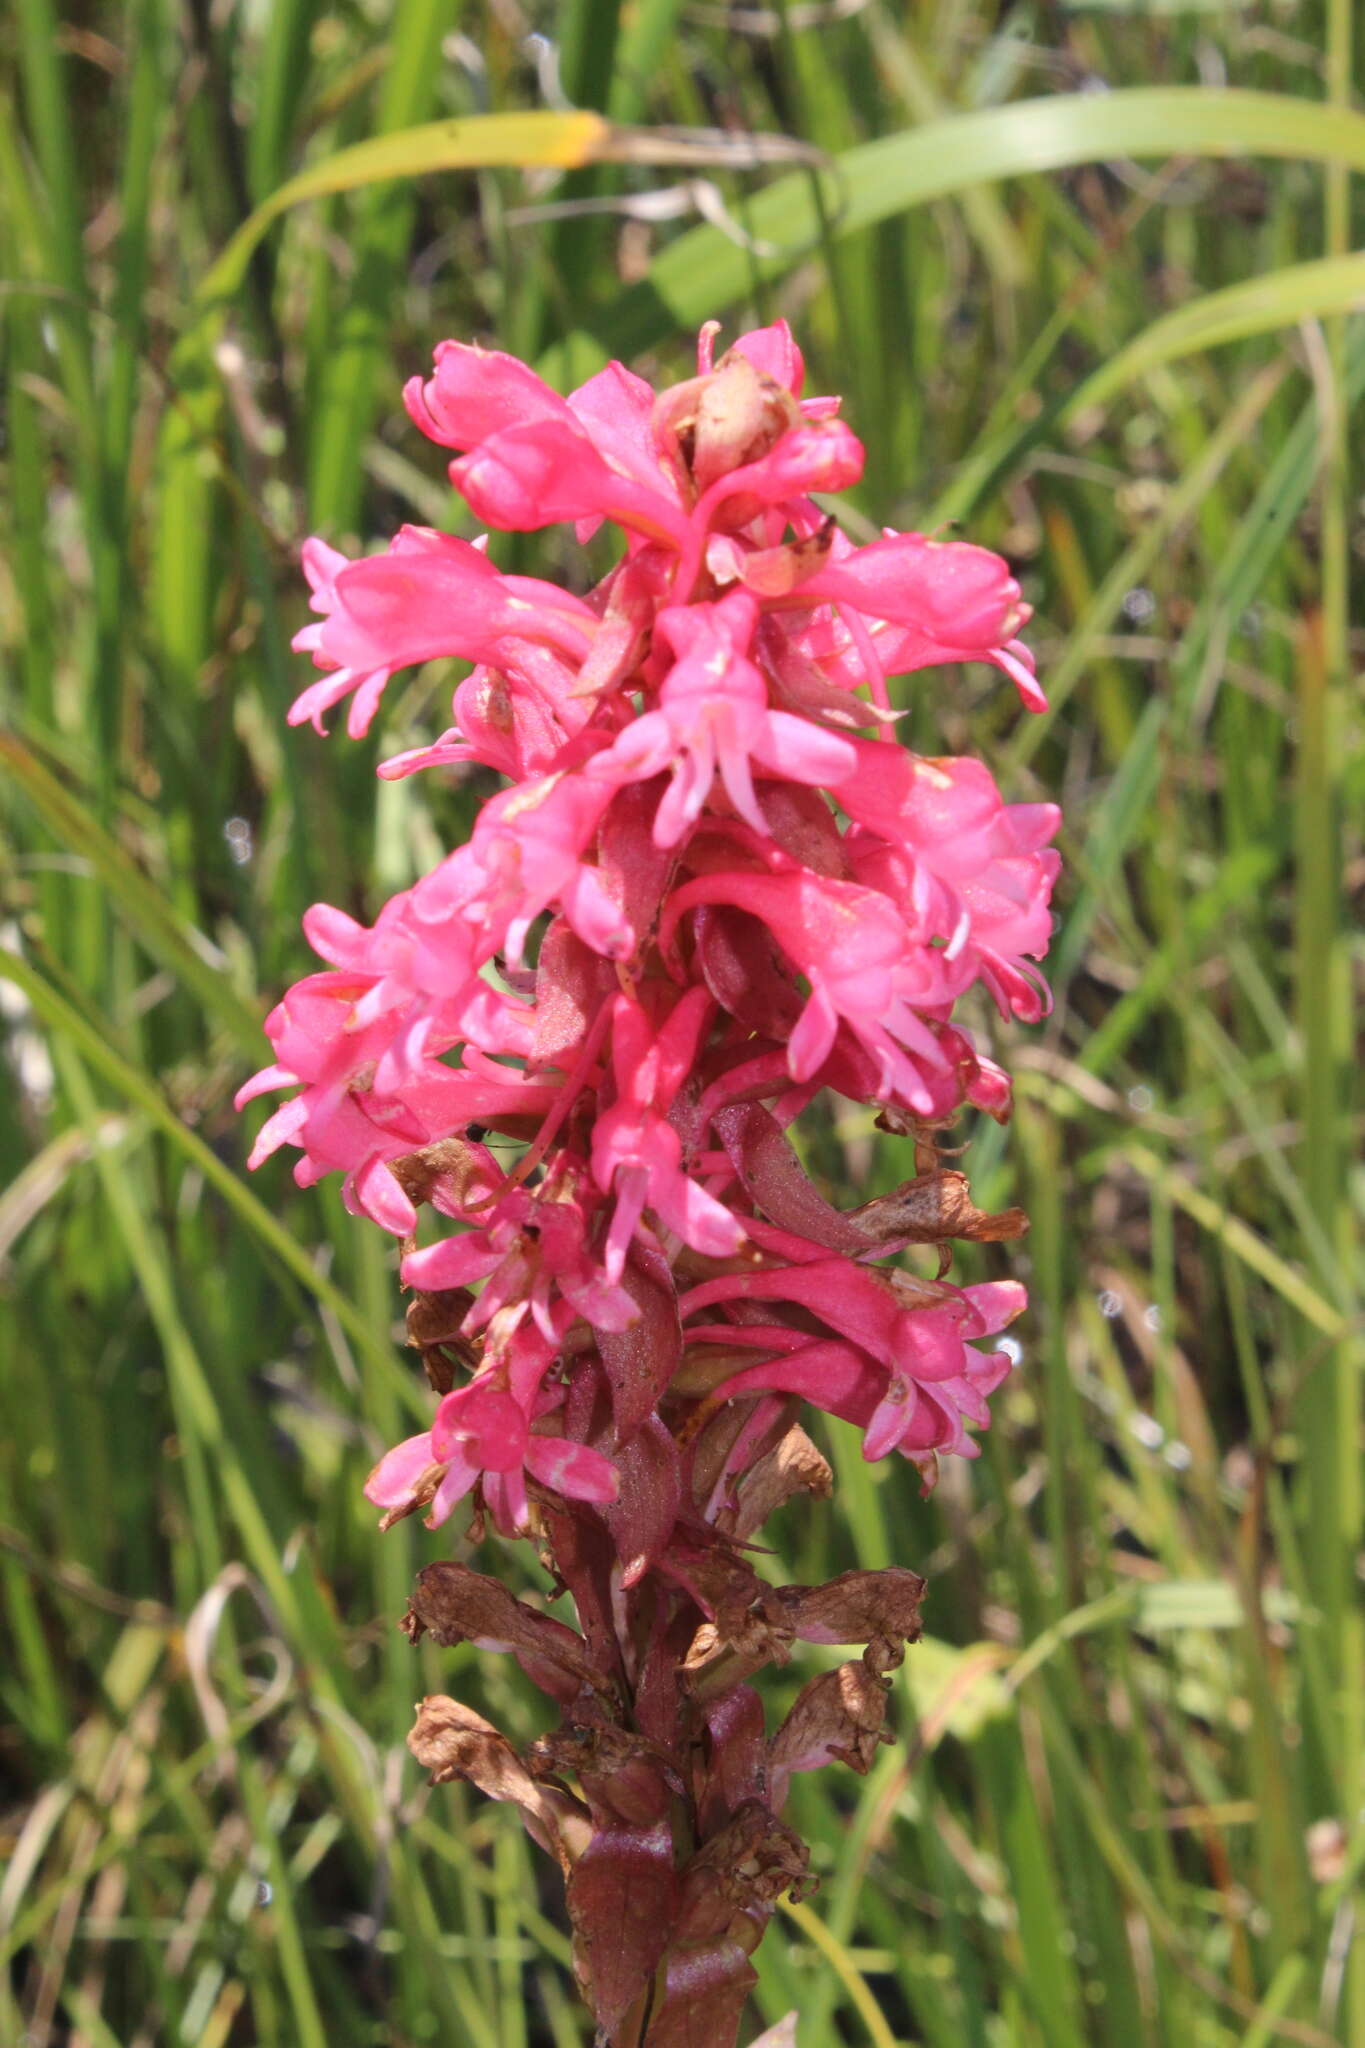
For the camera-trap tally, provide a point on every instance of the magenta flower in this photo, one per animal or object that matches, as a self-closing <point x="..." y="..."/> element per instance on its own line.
<point x="529" y="845"/>
<point x="864" y="971"/>
<point x="430" y="595"/>
<point x="713" y="885"/>
<point x="901" y="1369"/>
<point x="488" y="1430"/>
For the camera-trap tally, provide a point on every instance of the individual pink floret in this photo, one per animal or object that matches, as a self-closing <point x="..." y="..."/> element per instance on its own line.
<point x="429" y="596"/>
<point x="862" y="965"/>
<point x="905" y="1372"/>
<point x="529" y="846"/>
<point x="713" y="716"/>
<point x="532" y="1252"/>
<point x="634" y="1147"/>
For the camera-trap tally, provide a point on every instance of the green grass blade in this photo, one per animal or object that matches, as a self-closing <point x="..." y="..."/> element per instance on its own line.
<point x="477" y="142"/>
<point x="192" y="958"/>
<point x="701" y="272"/>
<point x="1301" y="291"/>
<point x="141" y="1092"/>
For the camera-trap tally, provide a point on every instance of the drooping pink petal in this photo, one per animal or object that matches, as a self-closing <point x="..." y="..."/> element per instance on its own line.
<point x="574" y="1469"/>
<point x="476" y="392"/>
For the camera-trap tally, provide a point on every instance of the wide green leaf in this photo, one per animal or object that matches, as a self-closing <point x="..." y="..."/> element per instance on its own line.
<point x="1299" y="291"/>
<point x="702" y="271"/>
<point x="541" y="140"/>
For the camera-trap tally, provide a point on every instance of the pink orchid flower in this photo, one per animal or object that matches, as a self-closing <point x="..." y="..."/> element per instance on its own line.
<point x="528" y="847"/>
<point x="532" y="1254"/>
<point x="714" y="885"/>
<point x="907" y="1376"/>
<point x="428" y="595"/>
<point x="853" y="948"/>
<point x="907" y="602"/>
<point x="489" y="1430"/>
<point x="713" y="715"/>
<point x="483" y="1432"/>
<point x="634" y="1147"/>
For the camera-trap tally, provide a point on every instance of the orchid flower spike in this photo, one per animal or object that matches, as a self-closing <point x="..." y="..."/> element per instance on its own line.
<point x="562" y="1069"/>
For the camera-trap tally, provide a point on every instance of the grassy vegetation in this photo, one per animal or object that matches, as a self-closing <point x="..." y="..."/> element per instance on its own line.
<point x="1107" y="331"/>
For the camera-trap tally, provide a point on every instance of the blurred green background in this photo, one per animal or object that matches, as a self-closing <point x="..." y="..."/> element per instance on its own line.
<point x="1084" y="274"/>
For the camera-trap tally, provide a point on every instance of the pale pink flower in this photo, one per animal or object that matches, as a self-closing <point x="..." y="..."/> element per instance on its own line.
<point x="412" y="1476"/>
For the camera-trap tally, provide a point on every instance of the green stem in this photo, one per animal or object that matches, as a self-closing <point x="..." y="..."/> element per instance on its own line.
<point x="1332" y="1474"/>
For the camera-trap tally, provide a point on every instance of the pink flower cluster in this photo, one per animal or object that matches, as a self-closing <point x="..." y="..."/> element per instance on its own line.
<point x="736" y="885"/>
<point x="714" y="885"/>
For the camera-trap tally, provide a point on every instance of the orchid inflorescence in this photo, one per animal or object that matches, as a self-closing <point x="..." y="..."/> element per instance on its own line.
<point x="715" y="886"/>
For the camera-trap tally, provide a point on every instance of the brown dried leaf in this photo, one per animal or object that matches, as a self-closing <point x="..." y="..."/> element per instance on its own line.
<point x="424" y="1491"/>
<point x="715" y="1662"/>
<point x="747" y="1624"/>
<point x="452" y="1741"/>
<point x="433" y="1322"/>
<point x="436" y="1317"/>
<point x="841" y="1714"/>
<point x="725" y="1897"/>
<point x="722" y="1582"/>
<point x="626" y="1778"/>
<point x="792" y="1466"/>
<point x="710" y="1433"/>
<point x="451" y="1166"/>
<point x="933" y="1208"/>
<point x="857" y="1607"/>
<point x="742" y="1871"/>
<point x="723" y="420"/>
<point x="455" y="1605"/>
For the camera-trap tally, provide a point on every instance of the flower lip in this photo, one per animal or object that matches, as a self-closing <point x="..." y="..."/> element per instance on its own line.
<point x="486" y="1423"/>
